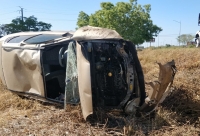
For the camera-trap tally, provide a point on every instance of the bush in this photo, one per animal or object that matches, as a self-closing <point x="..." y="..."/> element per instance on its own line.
<point x="191" y="46"/>
<point x="167" y="45"/>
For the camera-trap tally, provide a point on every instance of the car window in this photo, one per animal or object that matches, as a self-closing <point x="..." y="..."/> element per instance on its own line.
<point x="18" y="39"/>
<point x="42" y="38"/>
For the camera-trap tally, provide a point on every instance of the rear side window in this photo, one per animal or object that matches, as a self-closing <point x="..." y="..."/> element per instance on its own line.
<point x="42" y="38"/>
<point x="18" y="39"/>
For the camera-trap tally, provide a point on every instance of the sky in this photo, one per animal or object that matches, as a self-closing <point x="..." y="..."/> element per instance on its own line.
<point x="171" y="15"/>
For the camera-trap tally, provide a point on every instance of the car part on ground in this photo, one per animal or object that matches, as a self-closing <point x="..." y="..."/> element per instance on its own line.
<point x="161" y="88"/>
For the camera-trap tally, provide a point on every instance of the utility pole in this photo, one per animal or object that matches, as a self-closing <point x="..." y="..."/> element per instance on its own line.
<point x="22" y="16"/>
<point x="179" y="31"/>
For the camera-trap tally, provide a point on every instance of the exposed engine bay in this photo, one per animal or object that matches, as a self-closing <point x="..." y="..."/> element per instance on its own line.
<point x="114" y="78"/>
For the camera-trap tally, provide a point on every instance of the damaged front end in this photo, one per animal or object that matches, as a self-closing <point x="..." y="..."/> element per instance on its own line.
<point x="111" y="68"/>
<point x="110" y="74"/>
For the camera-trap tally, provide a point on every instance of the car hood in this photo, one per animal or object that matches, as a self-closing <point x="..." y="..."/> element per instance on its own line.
<point x="90" y="33"/>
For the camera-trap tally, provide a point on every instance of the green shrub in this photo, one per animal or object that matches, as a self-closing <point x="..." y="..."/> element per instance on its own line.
<point x="167" y="45"/>
<point x="191" y="46"/>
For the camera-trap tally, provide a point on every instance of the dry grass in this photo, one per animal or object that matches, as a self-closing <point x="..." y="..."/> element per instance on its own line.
<point x="181" y="110"/>
<point x="178" y="115"/>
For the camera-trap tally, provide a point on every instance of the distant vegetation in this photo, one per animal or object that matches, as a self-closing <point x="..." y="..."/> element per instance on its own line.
<point x="184" y="38"/>
<point x="27" y="24"/>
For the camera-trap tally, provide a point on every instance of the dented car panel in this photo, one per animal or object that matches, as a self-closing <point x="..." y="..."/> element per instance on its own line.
<point x="22" y="70"/>
<point x="93" y="66"/>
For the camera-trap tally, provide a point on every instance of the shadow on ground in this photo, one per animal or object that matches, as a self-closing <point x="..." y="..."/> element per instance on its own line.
<point x="117" y="121"/>
<point x="180" y="108"/>
<point x="186" y="105"/>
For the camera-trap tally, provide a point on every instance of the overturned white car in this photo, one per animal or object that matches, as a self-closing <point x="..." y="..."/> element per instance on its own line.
<point x="93" y="66"/>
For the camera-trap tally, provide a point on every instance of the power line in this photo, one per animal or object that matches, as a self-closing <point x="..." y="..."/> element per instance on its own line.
<point x="62" y="10"/>
<point x="2" y="8"/>
<point x="51" y="13"/>
<point x="8" y="18"/>
<point x="170" y="35"/>
<point x="8" y="13"/>
<point x="57" y="19"/>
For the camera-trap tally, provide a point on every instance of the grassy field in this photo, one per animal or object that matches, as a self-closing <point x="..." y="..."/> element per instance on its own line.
<point x="179" y="114"/>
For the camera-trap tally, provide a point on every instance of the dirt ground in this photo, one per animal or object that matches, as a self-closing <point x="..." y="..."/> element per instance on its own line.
<point x="179" y="114"/>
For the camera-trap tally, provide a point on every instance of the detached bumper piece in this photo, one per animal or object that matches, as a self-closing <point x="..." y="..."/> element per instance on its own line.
<point x="161" y="88"/>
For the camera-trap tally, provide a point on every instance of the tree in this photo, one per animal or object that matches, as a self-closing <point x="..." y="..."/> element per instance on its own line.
<point x="29" y="24"/>
<point x="184" y="38"/>
<point x="2" y="30"/>
<point x="83" y="19"/>
<point x="131" y="20"/>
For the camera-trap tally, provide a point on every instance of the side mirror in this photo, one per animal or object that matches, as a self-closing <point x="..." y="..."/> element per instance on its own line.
<point x="199" y="20"/>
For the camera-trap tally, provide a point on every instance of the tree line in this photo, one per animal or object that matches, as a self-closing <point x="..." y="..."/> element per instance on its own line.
<point x="26" y="24"/>
<point x="184" y="38"/>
